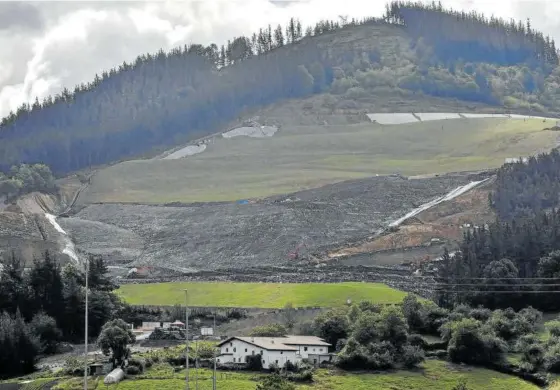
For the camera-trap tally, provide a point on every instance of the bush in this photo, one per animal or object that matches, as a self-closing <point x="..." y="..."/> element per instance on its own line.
<point x="254" y="362"/>
<point x="274" y="382"/>
<point x="553" y="327"/>
<point x="301" y="377"/>
<point x="412" y="356"/>
<point x="137" y="362"/>
<point x="272" y="330"/>
<point x="481" y="314"/>
<point x="534" y="355"/>
<point x="470" y="344"/>
<point x="49" y="335"/>
<point x="417" y="341"/>
<point x="552" y="359"/>
<point x="412" y="310"/>
<point x="132" y="370"/>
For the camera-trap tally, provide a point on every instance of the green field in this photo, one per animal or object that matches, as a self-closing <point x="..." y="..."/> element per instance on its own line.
<point x="258" y="295"/>
<point x="298" y="157"/>
<point x="433" y="375"/>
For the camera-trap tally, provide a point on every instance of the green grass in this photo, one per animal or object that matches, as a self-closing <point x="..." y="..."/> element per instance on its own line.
<point x="300" y="157"/>
<point x="259" y="295"/>
<point x="433" y="375"/>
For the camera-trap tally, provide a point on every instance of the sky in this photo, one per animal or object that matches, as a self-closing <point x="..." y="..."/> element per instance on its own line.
<point x="47" y="45"/>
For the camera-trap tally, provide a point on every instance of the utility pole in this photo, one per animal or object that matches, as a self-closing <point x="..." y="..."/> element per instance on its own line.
<point x="86" y="331"/>
<point x="187" y="337"/>
<point x="196" y="366"/>
<point x="214" y="371"/>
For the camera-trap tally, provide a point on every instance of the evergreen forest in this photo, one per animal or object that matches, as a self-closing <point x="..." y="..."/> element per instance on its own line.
<point x="166" y="97"/>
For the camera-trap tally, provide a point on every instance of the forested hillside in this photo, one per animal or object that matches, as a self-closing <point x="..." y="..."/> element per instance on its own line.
<point x="516" y="260"/>
<point x="165" y="97"/>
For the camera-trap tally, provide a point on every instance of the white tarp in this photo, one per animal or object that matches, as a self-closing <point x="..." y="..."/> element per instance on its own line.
<point x="114" y="376"/>
<point x="190" y="150"/>
<point x="392" y="119"/>
<point x="477" y="116"/>
<point x="436" y="116"/>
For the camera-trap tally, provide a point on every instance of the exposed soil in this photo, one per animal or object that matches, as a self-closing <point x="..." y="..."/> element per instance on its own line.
<point x="194" y="237"/>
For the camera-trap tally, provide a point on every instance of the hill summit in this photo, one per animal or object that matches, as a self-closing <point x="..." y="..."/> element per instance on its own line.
<point x="412" y="54"/>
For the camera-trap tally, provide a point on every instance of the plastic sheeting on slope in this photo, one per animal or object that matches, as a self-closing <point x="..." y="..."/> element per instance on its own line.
<point x="452" y="194"/>
<point x="392" y="119"/>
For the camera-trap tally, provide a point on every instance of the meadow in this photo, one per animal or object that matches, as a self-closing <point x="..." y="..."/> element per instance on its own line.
<point x="432" y="374"/>
<point x="258" y="295"/>
<point x="299" y="157"/>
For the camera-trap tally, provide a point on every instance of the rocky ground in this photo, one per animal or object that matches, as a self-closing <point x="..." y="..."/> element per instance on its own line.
<point x="213" y="236"/>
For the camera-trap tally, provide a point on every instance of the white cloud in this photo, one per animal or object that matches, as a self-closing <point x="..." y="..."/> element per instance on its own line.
<point x="51" y="45"/>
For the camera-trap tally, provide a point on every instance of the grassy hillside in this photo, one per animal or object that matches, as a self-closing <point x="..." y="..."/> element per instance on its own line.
<point x="299" y="157"/>
<point x="261" y="295"/>
<point x="164" y="98"/>
<point x="432" y="374"/>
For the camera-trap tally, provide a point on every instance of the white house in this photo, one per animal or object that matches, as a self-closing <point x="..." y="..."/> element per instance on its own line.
<point x="274" y="350"/>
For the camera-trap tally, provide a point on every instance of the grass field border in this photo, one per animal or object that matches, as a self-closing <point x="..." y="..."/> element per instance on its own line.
<point x="258" y="295"/>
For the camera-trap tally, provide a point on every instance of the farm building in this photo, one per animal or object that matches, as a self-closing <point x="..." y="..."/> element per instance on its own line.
<point x="274" y="350"/>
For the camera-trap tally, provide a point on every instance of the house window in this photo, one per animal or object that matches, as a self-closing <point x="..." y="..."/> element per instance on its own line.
<point x="281" y="352"/>
<point x="245" y="349"/>
<point x="262" y="352"/>
<point x="305" y="348"/>
<point x="218" y="360"/>
<point x="264" y="361"/>
<point x="314" y="361"/>
<point x="230" y="344"/>
<point x="313" y="349"/>
<point x="276" y="361"/>
<point x="253" y="352"/>
<point x="320" y="349"/>
<point x="227" y="349"/>
<point x="234" y="349"/>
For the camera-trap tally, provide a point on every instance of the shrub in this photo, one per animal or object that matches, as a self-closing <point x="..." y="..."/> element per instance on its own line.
<point x="412" y="356"/>
<point x="480" y="314"/>
<point x="132" y="370"/>
<point x="552" y="359"/>
<point x="417" y="340"/>
<point x="274" y="382"/>
<point x="412" y="310"/>
<point x="272" y="330"/>
<point x="470" y="344"/>
<point x="553" y="327"/>
<point x="137" y="362"/>
<point x="304" y="376"/>
<point x="534" y="355"/>
<point x="49" y="335"/>
<point x="434" y="318"/>
<point x="533" y="316"/>
<point x="254" y="362"/>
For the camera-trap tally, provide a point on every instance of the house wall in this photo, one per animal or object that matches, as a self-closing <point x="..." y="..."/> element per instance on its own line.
<point x="240" y="349"/>
<point x="318" y="358"/>
<point x="311" y="349"/>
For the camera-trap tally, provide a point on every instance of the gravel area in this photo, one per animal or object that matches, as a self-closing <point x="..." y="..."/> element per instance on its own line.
<point x="224" y="235"/>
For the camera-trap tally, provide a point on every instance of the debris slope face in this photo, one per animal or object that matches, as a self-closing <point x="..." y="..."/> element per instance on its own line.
<point x="213" y="236"/>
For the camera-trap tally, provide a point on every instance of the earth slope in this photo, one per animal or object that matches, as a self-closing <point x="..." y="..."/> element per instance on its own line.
<point x="308" y="156"/>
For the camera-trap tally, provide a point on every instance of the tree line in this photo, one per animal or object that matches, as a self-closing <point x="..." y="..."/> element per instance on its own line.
<point x="24" y="178"/>
<point x="472" y="36"/>
<point x="161" y="98"/>
<point x="43" y="306"/>
<point x="514" y="261"/>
